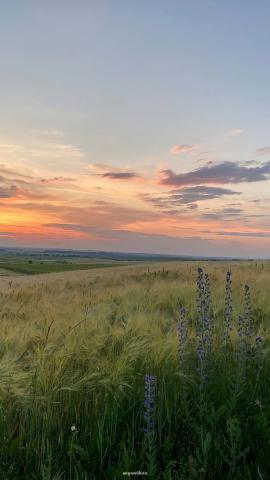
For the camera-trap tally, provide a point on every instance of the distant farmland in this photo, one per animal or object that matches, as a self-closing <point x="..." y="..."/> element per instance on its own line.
<point x="31" y="267"/>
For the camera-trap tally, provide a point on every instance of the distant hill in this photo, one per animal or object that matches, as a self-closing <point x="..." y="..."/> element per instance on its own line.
<point x="118" y="256"/>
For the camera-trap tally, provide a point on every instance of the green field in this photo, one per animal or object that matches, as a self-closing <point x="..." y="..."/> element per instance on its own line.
<point x="74" y="352"/>
<point x="34" y="267"/>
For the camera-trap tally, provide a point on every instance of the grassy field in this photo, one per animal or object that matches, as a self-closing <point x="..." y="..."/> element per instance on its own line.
<point x="31" y="267"/>
<point x="75" y="349"/>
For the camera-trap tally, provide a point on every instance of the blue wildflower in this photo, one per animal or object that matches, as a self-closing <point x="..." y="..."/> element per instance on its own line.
<point x="182" y="328"/>
<point x="228" y="311"/>
<point x="149" y="403"/>
<point x="259" y="351"/>
<point x="201" y="307"/>
<point x="204" y="324"/>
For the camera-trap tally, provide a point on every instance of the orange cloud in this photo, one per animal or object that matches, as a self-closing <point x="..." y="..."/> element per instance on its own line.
<point x="51" y="207"/>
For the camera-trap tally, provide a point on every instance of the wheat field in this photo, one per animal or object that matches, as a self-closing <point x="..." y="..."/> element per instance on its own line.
<point x="75" y="348"/>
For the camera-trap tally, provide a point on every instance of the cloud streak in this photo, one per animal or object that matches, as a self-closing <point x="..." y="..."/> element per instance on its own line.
<point x="187" y="197"/>
<point x="182" y="148"/>
<point x="114" y="173"/>
<point x="245" y="234"/>
<point x="120" y="175"/>
<point x="228" y="213"/>
<point x="200" y="193"/>
<point x="234" y="132"/>
<point x="263" y="150"/>
<point x="58" y="180"/>
<point x="222" y="173"/>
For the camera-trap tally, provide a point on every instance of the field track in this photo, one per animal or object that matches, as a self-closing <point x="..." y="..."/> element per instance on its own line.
<point x="21" y="280"/>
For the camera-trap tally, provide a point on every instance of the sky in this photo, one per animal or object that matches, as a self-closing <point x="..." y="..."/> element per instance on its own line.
<point x="136" y="126"/>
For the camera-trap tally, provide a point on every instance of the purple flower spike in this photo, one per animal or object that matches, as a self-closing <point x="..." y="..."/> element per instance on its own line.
<point x="228" y="311"/>
<point x="182" y="328"/>
<point x="149" y="404"/>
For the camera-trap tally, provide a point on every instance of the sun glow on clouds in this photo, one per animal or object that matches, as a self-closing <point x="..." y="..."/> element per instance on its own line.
<point x="51" y="194"/>
<point x="41" y="152"/>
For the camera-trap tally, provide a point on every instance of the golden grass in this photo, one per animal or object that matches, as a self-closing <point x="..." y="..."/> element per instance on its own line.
<point x="59" y="318"/>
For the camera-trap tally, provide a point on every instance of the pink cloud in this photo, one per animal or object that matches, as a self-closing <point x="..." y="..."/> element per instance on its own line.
<point x="182" y="148"/>
<point x="234" y="132"/>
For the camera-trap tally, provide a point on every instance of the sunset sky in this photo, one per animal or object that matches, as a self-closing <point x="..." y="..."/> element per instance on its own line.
<point x="140" y="126"/>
